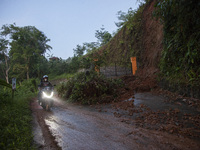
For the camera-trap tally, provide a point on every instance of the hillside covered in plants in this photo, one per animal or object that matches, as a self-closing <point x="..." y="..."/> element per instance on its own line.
<point x="164" y="36"/>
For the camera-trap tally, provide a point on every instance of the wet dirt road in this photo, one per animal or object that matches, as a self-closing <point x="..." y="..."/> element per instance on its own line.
<point x="73" y="127"/>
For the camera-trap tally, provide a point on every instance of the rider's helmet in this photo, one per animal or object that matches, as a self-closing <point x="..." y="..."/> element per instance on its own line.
<point x="45" y="78"/>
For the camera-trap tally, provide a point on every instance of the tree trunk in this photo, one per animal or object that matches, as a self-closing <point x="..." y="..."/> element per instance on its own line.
<point x="27" y="69"/>
<point x="27" y="73"/>
<point x="6" y="69"/>
<point x="7" y="79"/>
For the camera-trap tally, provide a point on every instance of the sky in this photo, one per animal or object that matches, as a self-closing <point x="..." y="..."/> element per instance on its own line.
<point x="67" y="23"/>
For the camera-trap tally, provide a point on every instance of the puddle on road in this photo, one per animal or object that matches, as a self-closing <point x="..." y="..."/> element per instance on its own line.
<point x="78" y="127"/>
<point x="158" y="102"/>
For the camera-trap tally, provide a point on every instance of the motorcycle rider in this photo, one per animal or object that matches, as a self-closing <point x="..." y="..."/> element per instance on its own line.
<point x="44" y="82"/>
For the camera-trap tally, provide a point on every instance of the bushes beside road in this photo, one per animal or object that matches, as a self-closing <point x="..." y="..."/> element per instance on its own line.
<point x="15" y="116"/>
<point x="89" y="88"/>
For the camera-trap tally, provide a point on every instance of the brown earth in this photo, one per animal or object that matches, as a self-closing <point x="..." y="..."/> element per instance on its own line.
<point x="170" y="120"/>
<point x="164" y="121"/>
<point x="152" y="44"/>
<point x="147" y="126"/>
<point x="47" y="140"/>
<point x="173" y="128"/>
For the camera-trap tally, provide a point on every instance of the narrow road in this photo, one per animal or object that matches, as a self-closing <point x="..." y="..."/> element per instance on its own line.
<point x="73" y="127"/>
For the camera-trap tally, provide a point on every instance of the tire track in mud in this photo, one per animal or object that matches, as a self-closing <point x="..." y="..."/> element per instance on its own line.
<point x="45" y="140"/>
<point x="72" y="126"/>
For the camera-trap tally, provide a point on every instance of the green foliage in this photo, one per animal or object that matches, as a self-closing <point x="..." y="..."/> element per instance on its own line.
<point x="79" y="50"/>
<point x="89" y="89"/>
<point x="180" y="58"/>
<point x="103" y="36"/>
<point x="22" y="50"/>
<point x="61" y="76"/>
<point x="27" y="87"/>
<point x="124" y="17"/>
<point x="4" y="83"/>
<point x="5" y="63"/>
<point x="85" y="62"/>
<point x="15" y="127"/>
<point x="15" y="120"/>
<point x="127" y="42"/>
<point x="90" y="47"/>
<point x="28" y="44"/>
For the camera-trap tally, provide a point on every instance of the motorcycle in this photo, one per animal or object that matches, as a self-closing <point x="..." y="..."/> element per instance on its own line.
<point x="47" y="97"/>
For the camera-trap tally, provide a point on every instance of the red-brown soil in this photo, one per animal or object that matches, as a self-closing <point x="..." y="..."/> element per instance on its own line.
<point x="162" y="121"/>
<point x="47" y="141"/>
<point x="171" y="120"/>
<point x="141" y="127"/>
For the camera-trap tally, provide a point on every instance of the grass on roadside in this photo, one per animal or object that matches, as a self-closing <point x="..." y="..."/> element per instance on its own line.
<point x="62" y="76"/>
<point x="15" y="118"/>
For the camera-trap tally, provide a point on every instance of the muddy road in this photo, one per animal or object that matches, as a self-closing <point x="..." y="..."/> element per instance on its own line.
<point x="103" y="127"/>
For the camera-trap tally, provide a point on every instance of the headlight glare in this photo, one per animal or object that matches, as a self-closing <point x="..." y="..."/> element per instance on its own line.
<point x="48" y="96"/>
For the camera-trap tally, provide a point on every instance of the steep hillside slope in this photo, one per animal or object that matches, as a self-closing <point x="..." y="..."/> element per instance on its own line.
<point x="151" y="43"/>
<point x="141" y="37"/>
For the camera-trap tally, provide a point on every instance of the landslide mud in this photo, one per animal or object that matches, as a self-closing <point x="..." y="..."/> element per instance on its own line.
<point x="71" y="127"/>
<point x="43" y="139"/>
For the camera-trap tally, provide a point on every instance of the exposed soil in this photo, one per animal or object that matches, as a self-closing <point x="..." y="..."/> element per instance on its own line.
<point x="42" y="135"/>
<point x="171" y="113"/>
<point x="135" y="123"/>
<point x="152" y="44"/>
<point x="142" y="117"/>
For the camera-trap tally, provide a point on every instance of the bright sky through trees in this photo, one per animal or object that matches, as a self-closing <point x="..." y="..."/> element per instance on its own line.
<point x="66" y="23"/>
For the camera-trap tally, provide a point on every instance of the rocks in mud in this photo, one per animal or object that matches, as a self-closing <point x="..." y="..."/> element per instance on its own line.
<point x="171" y="120"/>
<point x="117" y="114"/>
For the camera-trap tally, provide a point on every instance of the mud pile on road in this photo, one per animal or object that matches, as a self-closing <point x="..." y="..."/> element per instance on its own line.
<point x="173" y="120"/>
<point x="133" y="84"/>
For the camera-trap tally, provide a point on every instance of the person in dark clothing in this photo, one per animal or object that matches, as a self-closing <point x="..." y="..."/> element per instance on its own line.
<point x="44" y="82"/>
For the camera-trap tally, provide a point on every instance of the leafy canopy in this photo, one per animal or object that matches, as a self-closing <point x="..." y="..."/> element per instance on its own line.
<point x="27" y="46"/>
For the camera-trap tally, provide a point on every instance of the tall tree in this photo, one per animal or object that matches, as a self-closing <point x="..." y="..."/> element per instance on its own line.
<point x="28" y="44"/>
<point x="4" y="59"/>
<point x="91" y="46"/>
<point x="103" y="36"/>
<point x="4" y="49"/>
<point x="124" y="17"/>
<point x="79" y="51"/>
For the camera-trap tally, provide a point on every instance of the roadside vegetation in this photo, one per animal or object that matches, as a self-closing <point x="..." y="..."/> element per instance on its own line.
<point x="60" y="77"/>
<point x="91" y="88"/>
<point x="15" y="116"/>
<point x="22" y="56"/>
<point x="180" y="60"/>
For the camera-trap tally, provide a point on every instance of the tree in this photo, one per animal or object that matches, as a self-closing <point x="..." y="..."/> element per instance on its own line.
<point x="79" y="51"/>
<point x="124" y="17"/>
<point x="103" y="36"/>
<point x="74" y="64"/>
<point x="28" y="44"/>
<point x="4" y="44"/>
<point x="91" y="46"/>
<point x="42" y="67"/>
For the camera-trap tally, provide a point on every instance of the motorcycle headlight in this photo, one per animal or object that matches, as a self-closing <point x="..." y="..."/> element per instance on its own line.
<point x="47" y="95"/>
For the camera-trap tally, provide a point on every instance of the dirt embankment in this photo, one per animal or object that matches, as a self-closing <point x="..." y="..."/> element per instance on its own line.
<point x="148" y="69"/>
<point x="170" y="117"/>
<point x="152" y="44"/>
<point x="164" y="121"/>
